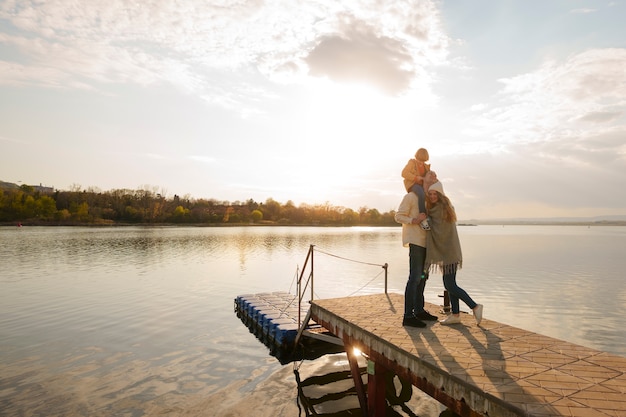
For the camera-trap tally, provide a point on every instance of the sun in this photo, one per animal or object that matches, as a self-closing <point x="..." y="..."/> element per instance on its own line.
<point x="350" y="137"/>
<point x="345" y="119"/>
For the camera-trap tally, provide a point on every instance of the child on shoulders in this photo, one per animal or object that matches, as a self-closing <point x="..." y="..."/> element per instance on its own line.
<point x="418" y="177"/>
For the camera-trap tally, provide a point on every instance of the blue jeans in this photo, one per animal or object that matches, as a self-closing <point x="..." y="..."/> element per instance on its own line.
<point x="414" y="291"/>
<point x="421" y="197"/>
<point x="456" y="293"/>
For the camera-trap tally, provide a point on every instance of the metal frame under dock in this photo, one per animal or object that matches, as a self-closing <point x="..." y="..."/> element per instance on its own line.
<point x="487" y="370"/>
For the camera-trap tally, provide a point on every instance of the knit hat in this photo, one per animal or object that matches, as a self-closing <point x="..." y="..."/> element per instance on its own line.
<point x="438" y="186"/>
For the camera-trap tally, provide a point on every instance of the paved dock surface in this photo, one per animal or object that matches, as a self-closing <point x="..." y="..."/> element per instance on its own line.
<point x="495" y="369"/>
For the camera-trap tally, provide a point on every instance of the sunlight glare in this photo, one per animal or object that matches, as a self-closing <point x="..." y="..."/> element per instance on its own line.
<point x="345" y="122"/>
<point x="352" y="135"/>
<point x="346" y="132"/>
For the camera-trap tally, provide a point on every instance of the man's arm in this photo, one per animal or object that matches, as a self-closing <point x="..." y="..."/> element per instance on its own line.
<point x="402" y="214"/>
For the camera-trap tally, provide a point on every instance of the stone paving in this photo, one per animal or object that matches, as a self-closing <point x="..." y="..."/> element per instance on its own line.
<point x="496" y="369"/>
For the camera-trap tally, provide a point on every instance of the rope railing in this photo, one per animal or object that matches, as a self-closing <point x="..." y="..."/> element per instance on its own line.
<point x="309" y="280"/>
<point x="348" y="259"/>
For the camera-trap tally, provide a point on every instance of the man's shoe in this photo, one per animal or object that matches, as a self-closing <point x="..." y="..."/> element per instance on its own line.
<point x="478" y="313"/>
<point x="412" y="322"/>
<point x="451" y="319"/>
<point x="425" y="315"/>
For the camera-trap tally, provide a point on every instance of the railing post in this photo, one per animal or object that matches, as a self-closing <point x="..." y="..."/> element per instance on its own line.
<point x="311" y="273"/>
<point x="299" y="284"/>
<point x="385" y="266"/>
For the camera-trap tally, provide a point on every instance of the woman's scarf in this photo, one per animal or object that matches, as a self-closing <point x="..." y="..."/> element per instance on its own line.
<point x="443" y="248"/>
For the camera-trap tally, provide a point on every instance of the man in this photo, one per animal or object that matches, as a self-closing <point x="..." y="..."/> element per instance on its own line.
<point x="414" y="237"/>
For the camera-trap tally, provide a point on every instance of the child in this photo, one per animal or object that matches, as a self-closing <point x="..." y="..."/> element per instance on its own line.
<point x="417" y="177"/>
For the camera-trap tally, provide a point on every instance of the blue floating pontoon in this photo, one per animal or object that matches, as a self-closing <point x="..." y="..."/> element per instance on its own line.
<point x="273" y="318"/>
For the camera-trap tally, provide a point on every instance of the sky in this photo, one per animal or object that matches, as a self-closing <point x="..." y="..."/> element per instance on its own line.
<point x="521" y="104"/>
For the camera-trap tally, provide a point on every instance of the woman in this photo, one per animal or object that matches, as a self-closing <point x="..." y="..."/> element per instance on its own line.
<point x="443" y="251"/>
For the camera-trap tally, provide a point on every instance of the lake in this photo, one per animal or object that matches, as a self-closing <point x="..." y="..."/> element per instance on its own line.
<point x="139" y="321"/>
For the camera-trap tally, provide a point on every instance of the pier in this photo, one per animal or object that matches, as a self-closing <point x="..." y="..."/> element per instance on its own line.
<point x="489" y="370"/>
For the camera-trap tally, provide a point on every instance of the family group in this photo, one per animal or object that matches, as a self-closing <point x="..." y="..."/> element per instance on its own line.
<point x="429" y="230"/>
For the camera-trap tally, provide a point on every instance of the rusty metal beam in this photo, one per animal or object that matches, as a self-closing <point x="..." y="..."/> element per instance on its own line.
<point x="376" y="389"/>
<point x="460" y="407"/>
<point x="457" y="406"/>
<point x="356" y="377"/>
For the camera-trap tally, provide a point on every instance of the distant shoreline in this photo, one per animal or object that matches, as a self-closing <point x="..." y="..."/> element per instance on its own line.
<point x="541" y="223"/>
<point x="270" y="224"/>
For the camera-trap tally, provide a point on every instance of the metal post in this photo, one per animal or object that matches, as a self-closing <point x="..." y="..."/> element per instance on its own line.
<point x="299" y="285"/>
<point x="298" y="295"/>
<point x="356" y="377"/>
<point x="385" y="266"/>
<point x="376" y="387"/>
<point x="312" y="272"/>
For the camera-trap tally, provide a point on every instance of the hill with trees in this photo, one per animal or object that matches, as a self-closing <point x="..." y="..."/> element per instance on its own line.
<point x="27" y="204"/>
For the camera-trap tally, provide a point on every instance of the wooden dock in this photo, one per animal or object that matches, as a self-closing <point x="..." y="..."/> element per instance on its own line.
<point x="491" y="370"/>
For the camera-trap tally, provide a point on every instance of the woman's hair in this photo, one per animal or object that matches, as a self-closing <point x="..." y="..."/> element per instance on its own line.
<point x="449" y="215"/>
<point x="422" y="155"/>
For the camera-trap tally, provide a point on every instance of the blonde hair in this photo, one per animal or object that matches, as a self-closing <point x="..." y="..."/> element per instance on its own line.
<point x="422" y="155"/>
<point x="449" y="215"/>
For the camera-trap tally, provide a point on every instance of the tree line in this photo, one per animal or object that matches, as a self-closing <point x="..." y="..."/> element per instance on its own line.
<point x="29" y="205"/>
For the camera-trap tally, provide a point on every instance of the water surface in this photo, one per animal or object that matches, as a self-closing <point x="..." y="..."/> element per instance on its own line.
<point x="139" y="320"/>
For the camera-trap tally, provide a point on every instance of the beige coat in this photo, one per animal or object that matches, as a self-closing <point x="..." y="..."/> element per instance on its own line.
<point x="407" y="211"/>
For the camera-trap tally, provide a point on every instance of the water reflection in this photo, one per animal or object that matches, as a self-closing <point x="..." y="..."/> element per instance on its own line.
<point x="118" y="315"/>
<point x="331" y="394"/>
<point x="329" y="390"/>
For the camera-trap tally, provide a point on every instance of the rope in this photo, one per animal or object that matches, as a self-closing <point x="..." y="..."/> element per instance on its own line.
<point x="284" y="310"/>
<point x="295" y="278"/>
<point x="355" y="261"/>
<point x="368" y="283"/>
<point x="347" y="259"/>
<point x="315" y="294"/>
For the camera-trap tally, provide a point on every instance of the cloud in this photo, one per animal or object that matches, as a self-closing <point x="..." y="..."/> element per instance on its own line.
<point x="155" y="156"/>
<point x="361" y="56"/>
<point x="559" y="100"/>
<point x="553" y="136"/>
<point x="12" y="140"/>
<point x="363" y="46"/>
<point x="202" y="158"/>
<point x="189" y="44"/>
<point x="601" y="116"/>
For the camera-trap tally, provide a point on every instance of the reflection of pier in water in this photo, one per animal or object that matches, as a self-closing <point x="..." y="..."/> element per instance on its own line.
<point x="329" y="394"/>
<point x="330" y="391"/>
